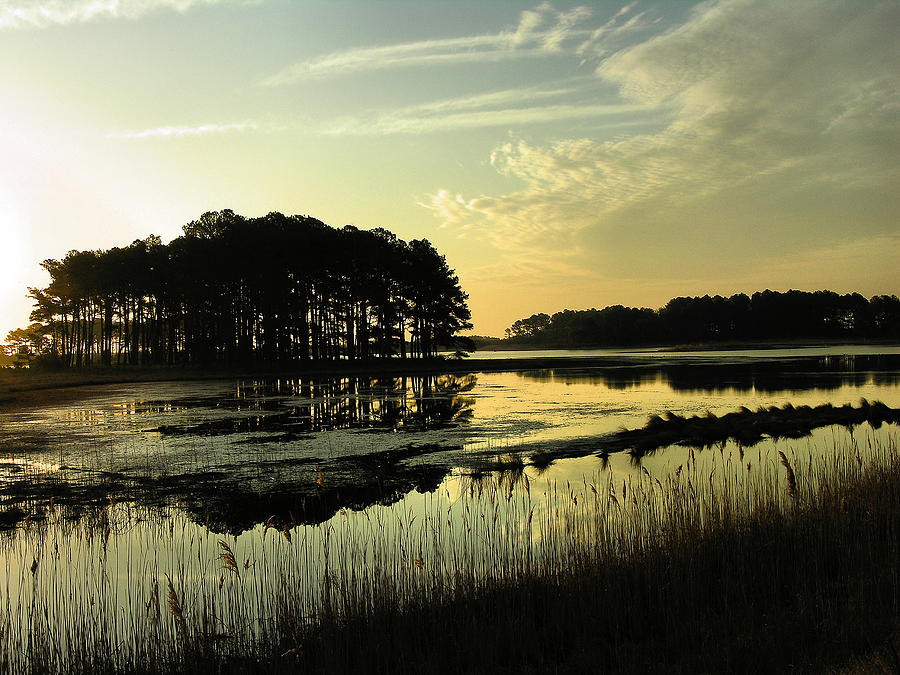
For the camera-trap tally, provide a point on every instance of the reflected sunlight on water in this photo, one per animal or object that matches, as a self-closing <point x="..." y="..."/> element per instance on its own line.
<point x="234" y="452"/>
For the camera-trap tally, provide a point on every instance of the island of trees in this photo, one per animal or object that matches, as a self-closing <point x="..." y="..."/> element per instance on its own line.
<point x="246" y="290"/>
<point x="765" y="316"/>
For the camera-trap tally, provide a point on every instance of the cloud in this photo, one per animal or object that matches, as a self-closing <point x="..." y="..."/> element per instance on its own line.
<point x="612" y="35"/>
<point x="183" y="131"/>
<point x="539" y="31"/>
<point x="43" y="13"/>
<point x="488" y="100"/>
<point x="554" y="38"/>
<point x="781" y="127"/>
<point x="762" y="87"/>
<point x="495" y="109"/>
<point x="423" y="54"/>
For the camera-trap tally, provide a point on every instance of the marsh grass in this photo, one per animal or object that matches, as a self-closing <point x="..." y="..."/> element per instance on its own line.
<point x="753" y="561"/>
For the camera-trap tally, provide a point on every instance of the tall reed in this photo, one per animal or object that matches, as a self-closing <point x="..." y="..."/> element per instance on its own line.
<point x="745" y="561"/>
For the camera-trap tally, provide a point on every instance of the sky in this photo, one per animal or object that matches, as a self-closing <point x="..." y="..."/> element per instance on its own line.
<point x="561" y="155"/>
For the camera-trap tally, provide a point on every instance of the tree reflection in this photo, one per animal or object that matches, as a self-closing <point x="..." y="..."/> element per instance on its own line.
<point x="274" y="478"/>
<point x="787" y="375"/>
<point x="306" y="405"/>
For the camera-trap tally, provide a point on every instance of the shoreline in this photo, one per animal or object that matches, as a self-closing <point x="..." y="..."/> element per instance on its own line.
<point x="731" y="345"/>
<point x="20" y="387"/>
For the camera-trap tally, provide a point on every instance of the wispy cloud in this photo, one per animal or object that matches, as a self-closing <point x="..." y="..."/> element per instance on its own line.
<point x="423" y="53"/>
<point x="506" y="117"/>
<point x="553" y="39"/>
<point x="781" y="136"/>
<point x="491" y="99"/>
<point x="43" y="13"/>
<point x="183" y="131"/>
<point x="611" y="35"/>
<point x="539" y="31"/>
<point x="507" y="108"/>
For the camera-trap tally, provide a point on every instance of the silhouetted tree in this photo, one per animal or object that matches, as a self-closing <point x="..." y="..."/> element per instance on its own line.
<point x="24" y="345"/>
<point x="529" y="327"/>
<point x="766" y="315"/>
<point x="236" y="290"/>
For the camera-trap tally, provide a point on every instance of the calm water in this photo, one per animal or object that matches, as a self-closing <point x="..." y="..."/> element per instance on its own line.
<point x="233" y="453"/>
<point x="729" y="355"/>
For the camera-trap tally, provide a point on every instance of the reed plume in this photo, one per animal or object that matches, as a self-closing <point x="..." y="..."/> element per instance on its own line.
<point x="791" y="479"/>
<point x="175" y="607"/>
<point x="227" y="557"/>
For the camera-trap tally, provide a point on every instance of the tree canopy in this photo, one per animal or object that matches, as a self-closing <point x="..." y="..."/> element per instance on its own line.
<point x="234" y="289"/>
<point x="766" y="315"/>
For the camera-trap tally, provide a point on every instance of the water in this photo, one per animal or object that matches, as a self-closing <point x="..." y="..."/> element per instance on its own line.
<point x="694" y="354"/>
<point x="118" y="489"/>
<point x="235" y="452"/>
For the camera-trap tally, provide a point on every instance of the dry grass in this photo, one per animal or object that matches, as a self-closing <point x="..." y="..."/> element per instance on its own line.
<point x="715" y="568"/>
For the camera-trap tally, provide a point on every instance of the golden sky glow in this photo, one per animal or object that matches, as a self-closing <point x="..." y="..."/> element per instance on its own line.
<point x="560" y="154"/>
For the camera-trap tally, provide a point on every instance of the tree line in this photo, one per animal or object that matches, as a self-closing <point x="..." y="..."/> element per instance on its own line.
<point x="766" y="315"/>
<point x="243" y="290"/>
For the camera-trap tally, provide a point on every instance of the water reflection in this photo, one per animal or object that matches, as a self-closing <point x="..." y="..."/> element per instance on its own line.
<point x="236" y="456"/>
<point x="302" y="406"/>
<point x="237" y="453"/>
<point x="797" y="375"/>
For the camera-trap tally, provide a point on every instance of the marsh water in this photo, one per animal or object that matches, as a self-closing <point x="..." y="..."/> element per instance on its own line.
<point x="110" y="493"/>
<point x="233" y="453"/>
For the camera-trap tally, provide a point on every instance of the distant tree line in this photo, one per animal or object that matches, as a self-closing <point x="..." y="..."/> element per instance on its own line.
<point x="236" y="290"/>
<point x="766" y="315"/>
